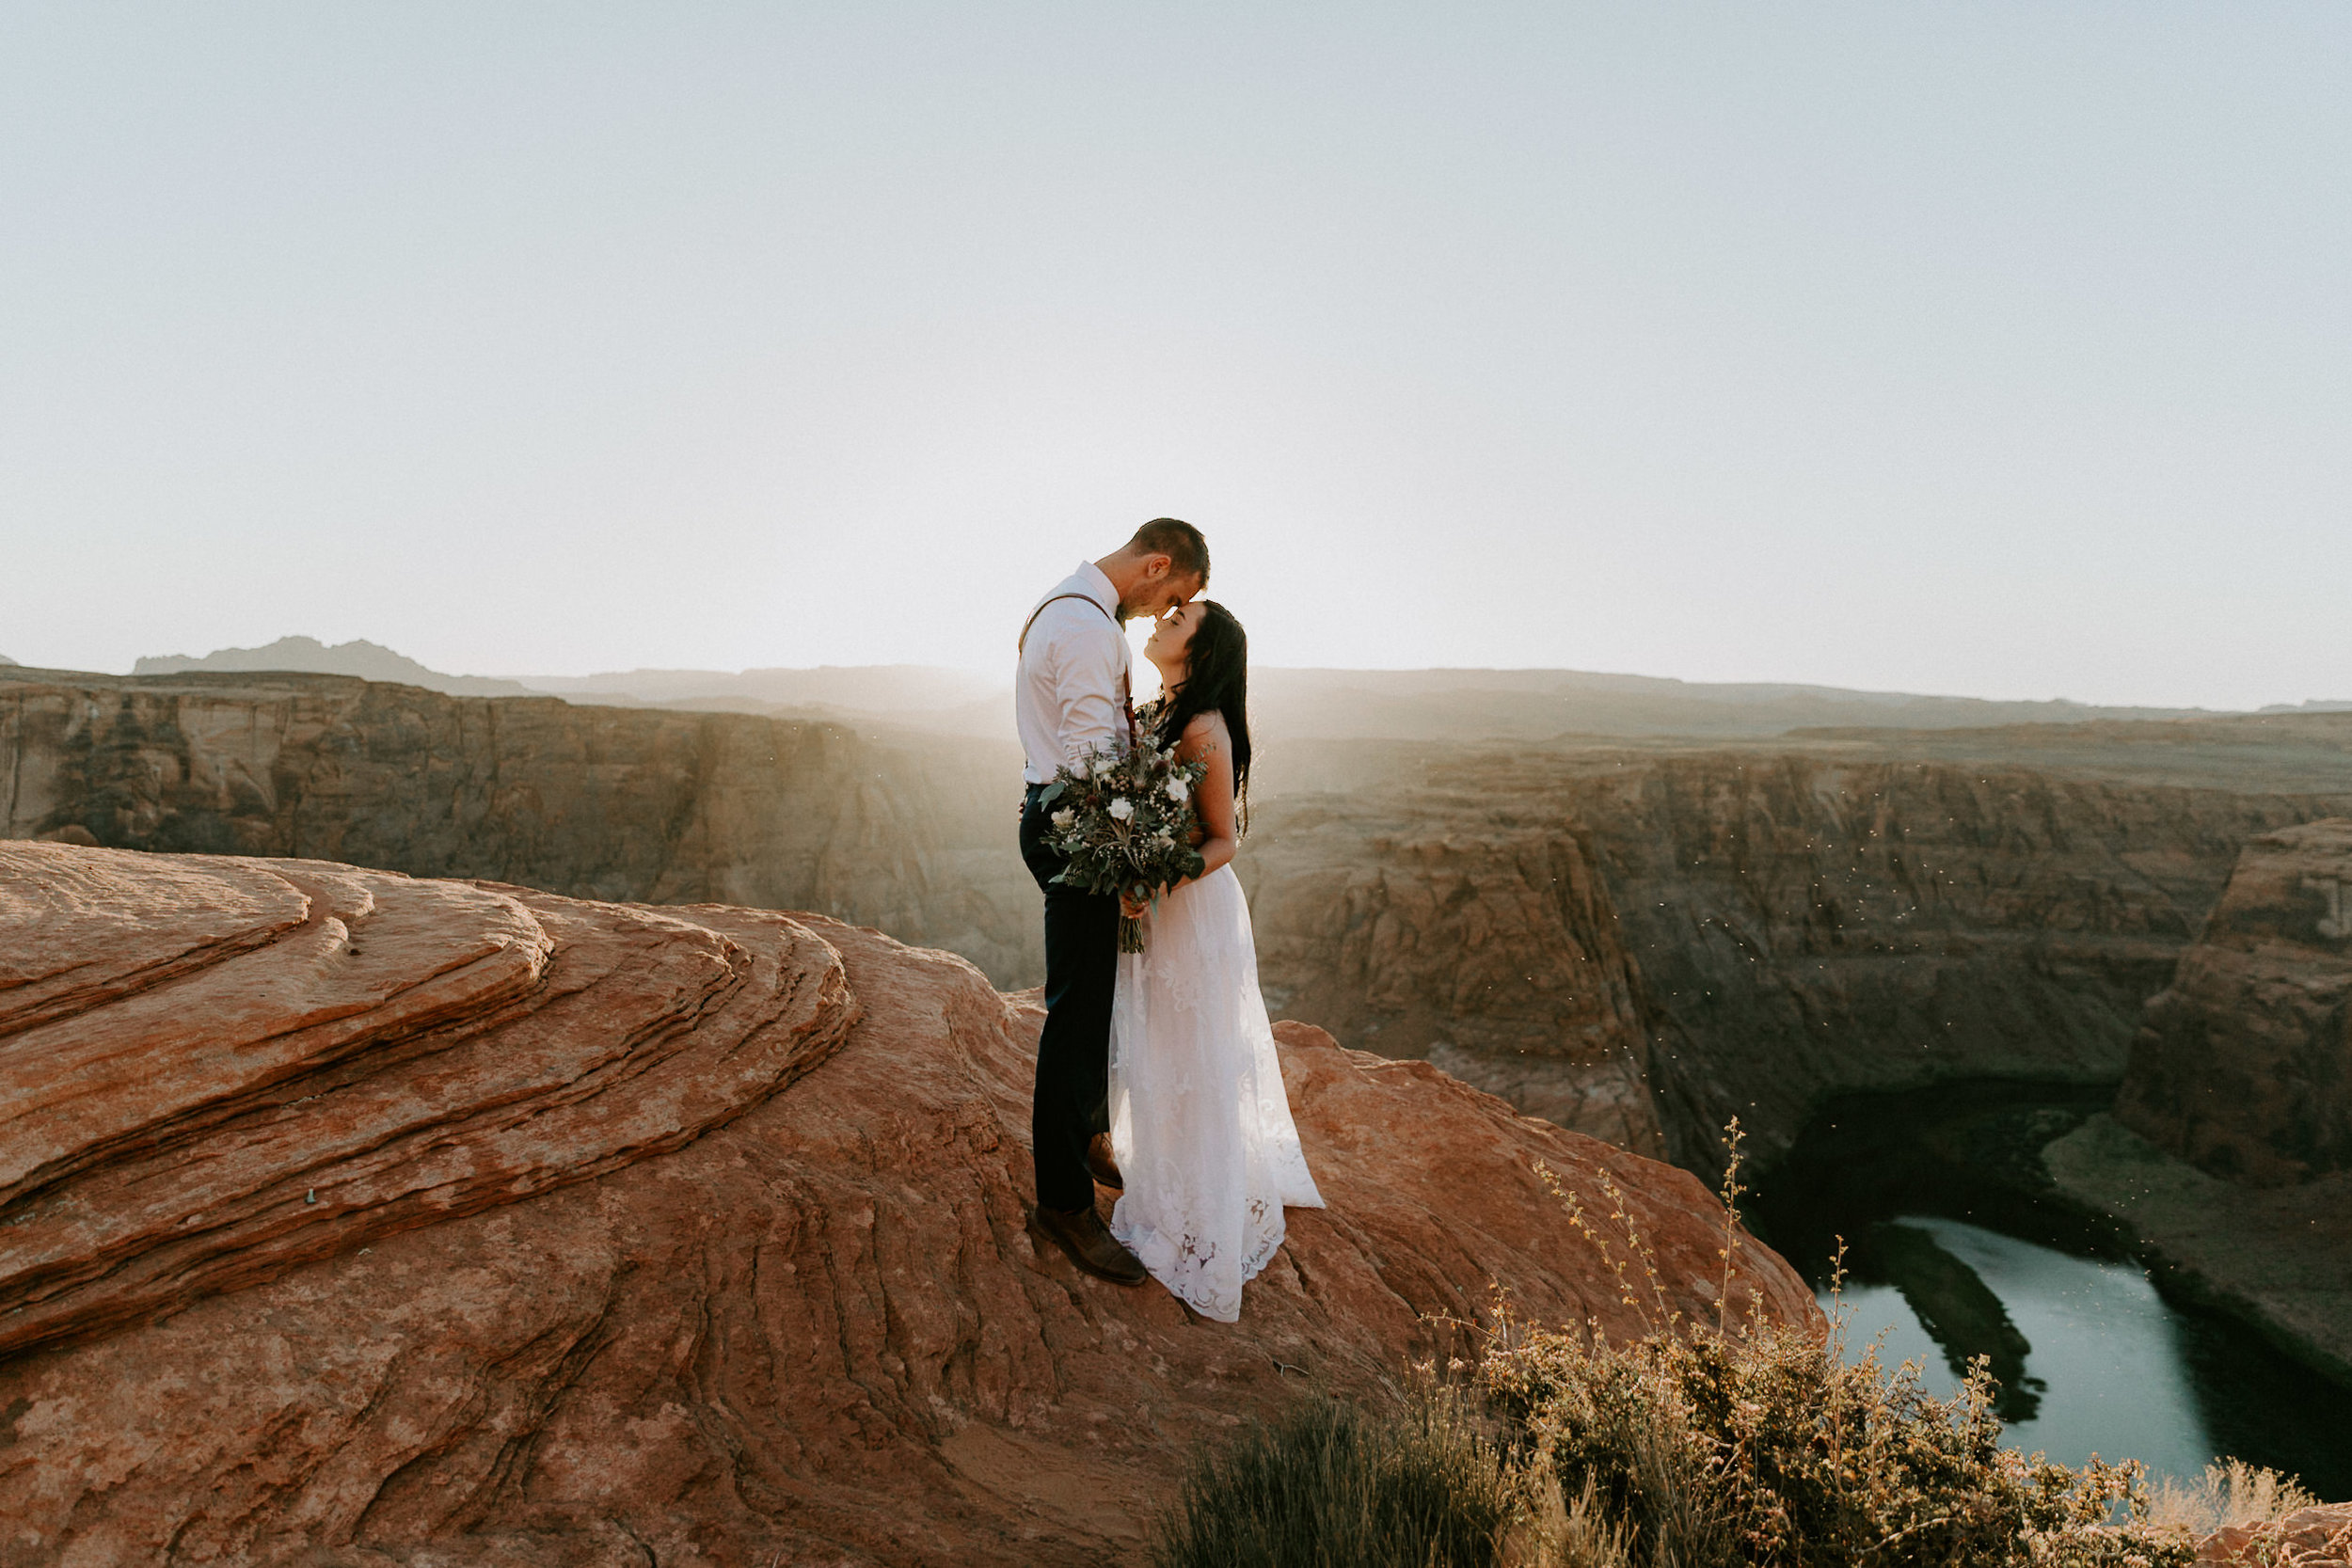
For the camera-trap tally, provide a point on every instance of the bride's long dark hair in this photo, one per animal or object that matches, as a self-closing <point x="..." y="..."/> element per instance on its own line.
<point x="1216" y="680"/>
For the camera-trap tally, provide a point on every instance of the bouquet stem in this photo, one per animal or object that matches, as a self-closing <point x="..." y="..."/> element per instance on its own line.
<point x="1130" y="934"/>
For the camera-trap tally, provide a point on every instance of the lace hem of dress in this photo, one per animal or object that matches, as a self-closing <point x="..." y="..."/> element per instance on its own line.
<point x="1186" y="1265"/>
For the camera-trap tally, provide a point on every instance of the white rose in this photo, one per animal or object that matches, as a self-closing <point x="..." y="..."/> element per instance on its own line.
<point x="1064" y="817"/>
<point x="1121" y="808"/>
<point x="1179" y="791"/>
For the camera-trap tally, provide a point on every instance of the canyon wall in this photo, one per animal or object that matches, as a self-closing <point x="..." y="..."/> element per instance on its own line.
<point x="911" y="836"/>
<point x="1482" y="942"/>
<point x="2243" y="1065"/>
<point x="1635" y="943"/>
<point x="1748" y="931"/>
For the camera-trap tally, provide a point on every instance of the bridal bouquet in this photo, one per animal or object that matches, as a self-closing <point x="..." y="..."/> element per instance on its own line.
<point x="1125" y="817"/>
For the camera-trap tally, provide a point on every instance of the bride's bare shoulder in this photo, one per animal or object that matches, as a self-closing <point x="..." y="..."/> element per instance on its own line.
<point x="1203" y="734"/>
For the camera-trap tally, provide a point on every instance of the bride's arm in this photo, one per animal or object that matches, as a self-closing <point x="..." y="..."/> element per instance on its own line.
<point x="1205" y="740"/>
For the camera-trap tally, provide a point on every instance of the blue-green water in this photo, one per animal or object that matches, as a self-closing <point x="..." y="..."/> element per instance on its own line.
<point x="2107" y="1353"/>
<point x="1957" y="1247"/>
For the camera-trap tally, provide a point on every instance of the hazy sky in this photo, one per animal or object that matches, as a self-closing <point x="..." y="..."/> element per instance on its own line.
<point x="1995" y="349"/>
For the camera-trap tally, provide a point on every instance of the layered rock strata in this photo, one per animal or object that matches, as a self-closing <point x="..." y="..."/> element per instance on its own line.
<point x="2243" y="1065"/>
<point x="1637" y="944"/>
<point x="911" y="833"/>
<point x="512" y="1330"/>
<point x="362" y="1053"/>
<point x="2227" y="1160"/>
<point x="1761" y="931"/>
<point x="1488" y="946"/>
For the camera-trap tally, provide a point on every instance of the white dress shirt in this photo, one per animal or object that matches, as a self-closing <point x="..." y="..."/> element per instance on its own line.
<point x="1069" y="696"/>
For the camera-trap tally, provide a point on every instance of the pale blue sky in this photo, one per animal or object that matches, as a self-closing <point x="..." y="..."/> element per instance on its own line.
<point x="1997" y="349"/>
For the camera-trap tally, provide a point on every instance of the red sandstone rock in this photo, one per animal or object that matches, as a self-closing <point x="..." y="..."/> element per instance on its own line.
<point x="817" y="1332"/>
<point x="405" y="1051"/>
<point x="2307" y="1538"/>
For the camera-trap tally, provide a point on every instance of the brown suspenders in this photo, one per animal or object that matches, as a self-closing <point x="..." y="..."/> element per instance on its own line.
<point x="1126" y="697"/>
<point x="1022" y="646"/>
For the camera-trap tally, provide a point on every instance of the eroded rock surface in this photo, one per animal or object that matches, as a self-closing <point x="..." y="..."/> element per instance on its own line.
<point x="2307" y="1538"/>
<point x="395" y="1054"/>
<point x="816" y="1330"/>
<point x="2244" y="1064"/>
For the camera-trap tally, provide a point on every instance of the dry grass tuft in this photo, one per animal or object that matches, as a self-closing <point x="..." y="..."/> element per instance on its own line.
<point x="2232" y="1493"/>
<point x="1331" y="1486"/>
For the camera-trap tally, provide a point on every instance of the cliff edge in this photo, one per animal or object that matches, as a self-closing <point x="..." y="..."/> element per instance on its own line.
<point x="349" y="1218"/>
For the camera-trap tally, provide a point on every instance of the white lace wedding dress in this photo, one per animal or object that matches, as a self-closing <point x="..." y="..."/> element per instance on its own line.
<point x="1199" y="1124"/>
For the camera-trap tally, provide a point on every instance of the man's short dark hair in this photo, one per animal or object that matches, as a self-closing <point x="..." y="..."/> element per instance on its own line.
<point x="1186" y="551"/>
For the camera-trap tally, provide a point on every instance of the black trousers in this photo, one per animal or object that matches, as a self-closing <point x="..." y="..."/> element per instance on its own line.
<point x="1074" y="1055"/>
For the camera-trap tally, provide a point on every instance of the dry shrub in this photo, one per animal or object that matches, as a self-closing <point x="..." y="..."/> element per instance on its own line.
<point x="1764" y="1446"/>
<point x="2232" y="1493"/>
<point x="1726" y="1445"/>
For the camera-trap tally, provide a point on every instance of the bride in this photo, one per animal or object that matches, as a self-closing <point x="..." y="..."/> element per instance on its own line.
<point x="1200" y="1125"/>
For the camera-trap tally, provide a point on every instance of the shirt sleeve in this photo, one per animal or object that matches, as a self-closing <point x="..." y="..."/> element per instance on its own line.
<point x="1086" y="670"/>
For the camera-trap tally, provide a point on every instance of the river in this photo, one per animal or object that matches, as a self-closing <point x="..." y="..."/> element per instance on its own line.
<point x="1953" y="1253"/>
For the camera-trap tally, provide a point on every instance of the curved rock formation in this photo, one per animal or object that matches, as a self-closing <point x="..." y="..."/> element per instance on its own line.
<point x="2243" y="1065"/>
<point x="816" y="1330"/>
<point x="312" y="1056"/>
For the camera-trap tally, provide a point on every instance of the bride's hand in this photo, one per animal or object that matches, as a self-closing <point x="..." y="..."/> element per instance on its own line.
<point x="1133" y="909"/>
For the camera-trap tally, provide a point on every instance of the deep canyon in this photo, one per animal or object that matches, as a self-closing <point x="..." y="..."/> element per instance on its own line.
<point x="1636" y="940"/>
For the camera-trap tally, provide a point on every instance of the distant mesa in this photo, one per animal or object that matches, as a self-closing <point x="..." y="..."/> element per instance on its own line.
<point x="10" y="662"/>
<point x="1438" y="705"/>
<point x="371" y="661"/>
<point x="879" y="689"/>
<point x="942" y="698"/>
<point x="1548" y="704"/>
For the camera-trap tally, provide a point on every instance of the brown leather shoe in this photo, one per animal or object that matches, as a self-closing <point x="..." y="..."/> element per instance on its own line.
<point x="1089" y="1243"/>
<point x="1105" y="1169"/>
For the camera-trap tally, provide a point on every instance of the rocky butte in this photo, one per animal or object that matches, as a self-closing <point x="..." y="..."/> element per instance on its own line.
<point x="2227" y="1160"/>
<point x="2244" y="1064"/>
<point x="348" y="1218"/>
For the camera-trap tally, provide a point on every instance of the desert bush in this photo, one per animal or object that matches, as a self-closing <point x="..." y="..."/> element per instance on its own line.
<point x="1756" y="1442"/>
<point x="1329" y="1485"/>
<point x="1765" y="1446"/>
<point x="1732" y="1444"/>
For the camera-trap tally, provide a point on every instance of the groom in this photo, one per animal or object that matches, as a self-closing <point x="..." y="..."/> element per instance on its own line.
<point x="1069" y="697"/>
